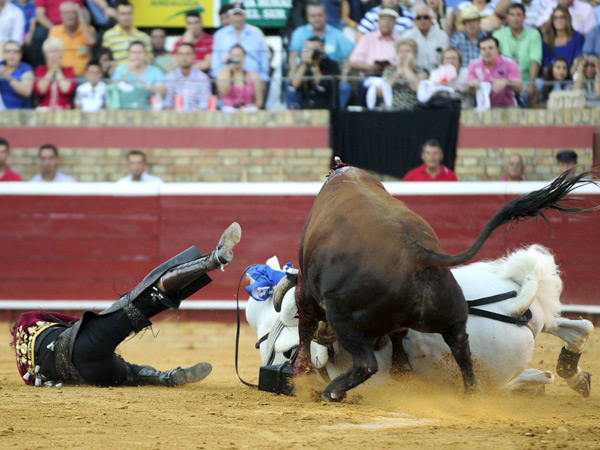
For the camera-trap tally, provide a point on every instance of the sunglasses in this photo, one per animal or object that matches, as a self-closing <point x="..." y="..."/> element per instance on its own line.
<point x="559" y="17"/>
<point x="422" y="18"/>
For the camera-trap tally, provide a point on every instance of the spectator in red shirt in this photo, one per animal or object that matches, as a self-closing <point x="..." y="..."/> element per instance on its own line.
<point x="6" y="174"/>
<point x="195" y="35"/>
<point x="55" y="85"/>
<point x="432" y="168"/>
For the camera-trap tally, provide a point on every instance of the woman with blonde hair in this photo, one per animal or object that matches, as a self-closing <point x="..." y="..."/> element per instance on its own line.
<point x="560" y="39"/>
<point x="54" y="84"/>
<point x="404" y="78"/>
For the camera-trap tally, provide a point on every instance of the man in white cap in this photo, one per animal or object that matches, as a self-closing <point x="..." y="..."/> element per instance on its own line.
<point x="468" y="41"/>
<point x="377" y="49"/>
<point x="370" y="21"/>
<point x="431" y="41"/>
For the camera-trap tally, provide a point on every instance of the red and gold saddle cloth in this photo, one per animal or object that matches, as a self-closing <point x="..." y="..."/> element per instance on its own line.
<point x="29" y="327"/>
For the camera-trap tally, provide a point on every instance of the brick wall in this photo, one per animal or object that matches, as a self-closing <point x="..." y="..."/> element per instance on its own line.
<point x="251" y="159"/>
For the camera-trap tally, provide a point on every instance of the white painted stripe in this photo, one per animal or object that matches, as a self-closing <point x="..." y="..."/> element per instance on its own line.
<point x="193" y="305"/>
<point x="271" y="189"/>
<point x="99" y="305"/>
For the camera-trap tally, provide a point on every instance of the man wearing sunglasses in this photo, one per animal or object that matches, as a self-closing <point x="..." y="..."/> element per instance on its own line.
<point x="431" y="40"/>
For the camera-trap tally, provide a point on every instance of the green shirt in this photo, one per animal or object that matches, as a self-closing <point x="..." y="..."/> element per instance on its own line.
<point x="525" y="50"/>
<point x="119" y="41"/>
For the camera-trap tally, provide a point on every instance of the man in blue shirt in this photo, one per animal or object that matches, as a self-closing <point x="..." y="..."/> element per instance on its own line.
<point x="248" y="36"/>
<point x="337" y="47"/>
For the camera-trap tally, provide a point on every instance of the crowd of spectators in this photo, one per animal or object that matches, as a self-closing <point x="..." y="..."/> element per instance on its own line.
<point x="58" y="54"/>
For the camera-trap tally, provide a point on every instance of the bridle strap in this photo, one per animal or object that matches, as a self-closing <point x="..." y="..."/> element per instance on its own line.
<point x="493" y="299"/>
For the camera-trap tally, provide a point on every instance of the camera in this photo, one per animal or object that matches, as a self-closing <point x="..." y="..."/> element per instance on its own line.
<point x="316" y="54"/>
<point x="232" y="61"/>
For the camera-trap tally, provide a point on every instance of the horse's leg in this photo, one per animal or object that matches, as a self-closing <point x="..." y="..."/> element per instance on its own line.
<point x="457" y="339"/>
<point x="400" y="362"/>
<point x="575" y="333"/>
<point x="363" y="367"/>
<point x="530" y="381"/>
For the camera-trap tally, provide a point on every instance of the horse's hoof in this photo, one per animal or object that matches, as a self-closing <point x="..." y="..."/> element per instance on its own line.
<point x="332" y="397"/>
<point x="584" y="386"/>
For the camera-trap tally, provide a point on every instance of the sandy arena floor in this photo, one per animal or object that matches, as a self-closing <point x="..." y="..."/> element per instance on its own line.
<point x="220" y="412"/>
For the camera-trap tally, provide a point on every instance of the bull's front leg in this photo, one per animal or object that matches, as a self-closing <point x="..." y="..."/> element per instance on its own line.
<point x="575" y="333"/>
<point x="309" y="315"/>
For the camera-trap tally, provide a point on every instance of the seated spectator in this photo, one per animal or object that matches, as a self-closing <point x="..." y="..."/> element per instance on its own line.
<point x="77" y="37"/>
<point x="238" y="88"/>
<point x="28" y="9"/>
<point x="136" y="164"/>
<point x="591" y="46"/>
<point x="248" y="36"/>
<point x="16" y="79"/>
<point x="514" y="168"/>
<point x="136" y="80"/>
<point x="6" y="173"/>
<point x="522" y="44"/>
<point x="123" y="34"/>
<point x="535" y="11"/>
<point x="333" y="10"/>
<point x="91" y="95"/>
<point x="560" y="40"/>
<point x="161" y="57"/>
<point x="315" y="93"/>
<point x="48" y="156"/>
<point x="492" y="77"/>
<point x="467" y="41"/>
<point x="587" y="78"/>
<point x="200" y="40"/>
<point x="452" y="59"/>
<point x="431" y="41"/>
<point x="489" y="19"/>
<point x="47" y="14"/>
<point x="12" y="24"/>
<point x="432" y="168"/>
<point x="566" y="160"/>
<point x="337" y="48"/>
<point x="370" y="21"/>
<point x="443" y="17"/>
<point x="54" y="84"/>
<point x="107" y="63"/>
<point x="377" y="49"/>
<point x="556" y="78"/>
<point x="582" y="14"/>
<point x="224" y="15"/>
<point x="404" y="77"/>
<point x="188" y="88"/>
<point x="352" y="13"/>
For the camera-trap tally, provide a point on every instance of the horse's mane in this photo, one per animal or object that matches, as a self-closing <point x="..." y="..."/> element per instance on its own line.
<point x="534" y="260"/>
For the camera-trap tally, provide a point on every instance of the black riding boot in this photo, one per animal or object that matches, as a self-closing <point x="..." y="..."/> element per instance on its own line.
<point x="148" y="376"/>
<point x="175" y="280"/>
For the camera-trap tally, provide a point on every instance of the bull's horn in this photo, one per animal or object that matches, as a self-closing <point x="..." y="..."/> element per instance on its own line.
<point x="284" y="285"/>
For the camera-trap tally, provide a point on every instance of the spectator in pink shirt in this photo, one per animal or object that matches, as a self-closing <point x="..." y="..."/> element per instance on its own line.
<point x="376" y="50"/>
<point x="497" y="70"/>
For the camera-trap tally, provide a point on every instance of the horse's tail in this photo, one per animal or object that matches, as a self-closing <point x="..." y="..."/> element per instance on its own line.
<point x="526" y="206"/>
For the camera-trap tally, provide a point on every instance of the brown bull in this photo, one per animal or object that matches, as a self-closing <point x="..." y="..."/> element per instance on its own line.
<point x="370" y="267"/>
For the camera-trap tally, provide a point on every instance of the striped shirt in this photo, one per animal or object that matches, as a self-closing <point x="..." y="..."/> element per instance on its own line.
<point x="468" y="50"/>
<point x="370" y="22"/>
<point x="119" y="41"/>
<point x="189" y="93"/>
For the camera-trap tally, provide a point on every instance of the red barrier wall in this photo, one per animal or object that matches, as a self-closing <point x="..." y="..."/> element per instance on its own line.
<point x="70" y="247"/>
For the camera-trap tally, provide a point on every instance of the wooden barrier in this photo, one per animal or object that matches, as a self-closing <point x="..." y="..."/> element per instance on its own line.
<point x="69" y="242"/>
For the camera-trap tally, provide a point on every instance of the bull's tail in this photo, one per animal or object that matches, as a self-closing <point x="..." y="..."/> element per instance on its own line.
<point x="526" y="206"/>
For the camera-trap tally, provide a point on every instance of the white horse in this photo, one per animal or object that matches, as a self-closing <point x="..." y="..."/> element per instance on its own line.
<point x="500" y="350"/>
